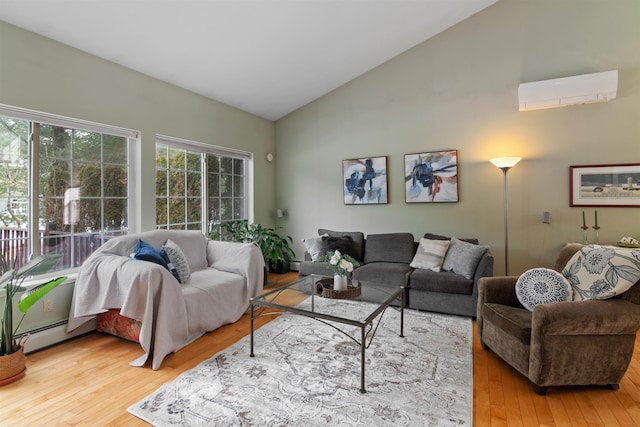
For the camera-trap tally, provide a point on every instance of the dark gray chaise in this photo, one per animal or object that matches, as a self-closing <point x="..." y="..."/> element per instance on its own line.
<point x="385" y="259"/>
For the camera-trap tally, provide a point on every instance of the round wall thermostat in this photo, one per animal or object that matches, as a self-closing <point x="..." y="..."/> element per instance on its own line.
<point x="269" y="157"/>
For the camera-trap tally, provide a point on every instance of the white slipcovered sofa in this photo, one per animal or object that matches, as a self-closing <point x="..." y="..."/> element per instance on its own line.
<point x="223" y="276"/>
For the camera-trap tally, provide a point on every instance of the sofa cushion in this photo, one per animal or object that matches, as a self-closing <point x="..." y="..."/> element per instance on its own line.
<point x="430" y="254"/>
<point x="320" y="268"/>
<point x="193" y="244"/>
<point x="463" y="257"/>
<point x="514" y="321"/>
<point x="542" y="286"/>
<point x="391" y="247"/>
<point x="443" y="281"/>
<point x="178" y="259"/>
<point x="356" y="236"/>
<point x="315" y="247"/>
<point x="388" y="273"/>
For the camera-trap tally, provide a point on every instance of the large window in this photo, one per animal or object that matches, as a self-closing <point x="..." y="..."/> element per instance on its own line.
<point x="65" y="185"/>
<point x="199" y="186"/>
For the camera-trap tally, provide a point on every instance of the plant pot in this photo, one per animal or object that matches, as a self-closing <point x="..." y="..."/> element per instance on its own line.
<point x="282" y="267"/>
<point x="12" y="366"/>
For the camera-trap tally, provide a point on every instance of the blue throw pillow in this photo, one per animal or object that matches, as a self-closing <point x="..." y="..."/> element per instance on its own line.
<point x="146" y="252"/>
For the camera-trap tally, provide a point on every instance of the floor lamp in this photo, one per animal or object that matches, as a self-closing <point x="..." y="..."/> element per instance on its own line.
<point x="506" y="163"/>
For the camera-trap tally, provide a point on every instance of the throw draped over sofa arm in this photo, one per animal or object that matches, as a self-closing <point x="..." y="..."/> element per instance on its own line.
<point x="223" y="278"/>
<point x="563" y="343"/>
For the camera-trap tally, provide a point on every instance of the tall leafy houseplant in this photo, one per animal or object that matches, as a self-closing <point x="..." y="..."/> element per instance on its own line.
<point x="275" y="248"/>
<point x="11" y="282"/>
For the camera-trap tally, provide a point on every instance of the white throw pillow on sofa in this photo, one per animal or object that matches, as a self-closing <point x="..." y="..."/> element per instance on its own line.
<point x="430" y="254"/>
<point x="542" y="286"/>
<point x="178" y="259"/>
<point x="315" y="247"/>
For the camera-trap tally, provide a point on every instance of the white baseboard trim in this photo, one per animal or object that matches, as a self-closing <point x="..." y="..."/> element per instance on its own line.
<point x="48" y="336"/>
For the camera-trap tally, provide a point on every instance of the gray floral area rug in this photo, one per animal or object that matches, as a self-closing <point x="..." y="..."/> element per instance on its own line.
<point x="306" y="373"/>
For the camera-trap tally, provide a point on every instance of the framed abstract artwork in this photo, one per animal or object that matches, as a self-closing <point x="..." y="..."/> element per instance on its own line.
<point x="605" y="185"/>
<point x="431" y="177"/>
<point x="364" y="181"/>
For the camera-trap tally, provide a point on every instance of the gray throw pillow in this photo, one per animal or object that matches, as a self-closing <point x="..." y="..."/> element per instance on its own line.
<point x="178" y="260"/>
<point x="463" y="258"/>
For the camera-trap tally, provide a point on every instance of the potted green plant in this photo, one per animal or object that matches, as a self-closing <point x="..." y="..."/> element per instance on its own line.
<point x="275" y="248"/>
<point x="12" y="359"/>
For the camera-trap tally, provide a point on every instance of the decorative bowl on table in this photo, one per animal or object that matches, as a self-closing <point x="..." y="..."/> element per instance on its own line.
<point x="324" y="288"/>
<point x="628" y="242"/>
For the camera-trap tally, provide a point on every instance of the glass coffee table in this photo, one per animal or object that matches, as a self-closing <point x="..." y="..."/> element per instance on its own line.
<point x="287" y="299"/>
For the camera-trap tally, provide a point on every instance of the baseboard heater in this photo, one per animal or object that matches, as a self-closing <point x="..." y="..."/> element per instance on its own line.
<point x="54" y="333"/>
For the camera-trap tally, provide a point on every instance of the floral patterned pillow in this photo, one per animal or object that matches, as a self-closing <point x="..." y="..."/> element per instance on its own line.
<point x="599" y="272"/>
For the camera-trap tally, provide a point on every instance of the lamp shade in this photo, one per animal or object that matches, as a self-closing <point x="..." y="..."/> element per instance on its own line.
<point x="505" y="162"/>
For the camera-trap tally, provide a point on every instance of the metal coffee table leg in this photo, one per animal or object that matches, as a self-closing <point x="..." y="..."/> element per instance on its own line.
<point x="252" y="317"/>
<point x="362" y="359"/>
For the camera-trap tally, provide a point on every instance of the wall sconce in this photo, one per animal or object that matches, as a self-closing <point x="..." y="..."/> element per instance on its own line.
<point x="280" y="213"/>
<point x="506" y="163"/>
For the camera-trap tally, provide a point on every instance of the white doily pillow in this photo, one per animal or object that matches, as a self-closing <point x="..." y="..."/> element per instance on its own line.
<point x="542" y="286"/>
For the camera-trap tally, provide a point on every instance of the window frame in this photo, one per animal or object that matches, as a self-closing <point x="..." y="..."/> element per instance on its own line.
<point x="43" y="118"/>
<point x="214" y="150"/>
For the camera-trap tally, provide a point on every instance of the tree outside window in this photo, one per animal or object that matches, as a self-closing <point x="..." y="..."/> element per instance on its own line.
<point x="80" y="191"/>
<point x="188" y="176"/>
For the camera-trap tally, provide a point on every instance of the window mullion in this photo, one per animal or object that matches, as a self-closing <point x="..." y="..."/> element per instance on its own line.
<point x="102" y="213"/>
<point x="204" y="191"/>
<point x="184" y="190"/>
<point x="34" y="188"/>
<point x="72" y="183"/>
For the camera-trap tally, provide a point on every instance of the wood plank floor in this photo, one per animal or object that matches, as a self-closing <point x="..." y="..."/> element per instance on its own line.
<point x="87" y="381"/>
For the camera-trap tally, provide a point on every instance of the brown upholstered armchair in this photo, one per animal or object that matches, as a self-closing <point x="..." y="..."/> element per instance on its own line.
<point x="562" y="343"/>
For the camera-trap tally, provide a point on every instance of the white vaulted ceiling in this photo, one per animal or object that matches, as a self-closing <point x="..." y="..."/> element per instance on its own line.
<point x="266" y="57"/>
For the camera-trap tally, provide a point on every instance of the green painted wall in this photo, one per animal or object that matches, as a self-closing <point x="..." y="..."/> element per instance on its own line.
<point x="459" y="91"/>
<point x="40" y="74"/>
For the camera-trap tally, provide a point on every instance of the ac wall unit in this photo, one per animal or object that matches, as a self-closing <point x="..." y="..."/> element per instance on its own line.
<point x="583" y="89"/>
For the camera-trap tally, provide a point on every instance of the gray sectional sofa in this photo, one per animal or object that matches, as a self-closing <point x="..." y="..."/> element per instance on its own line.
<point x="388" y="259"/>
